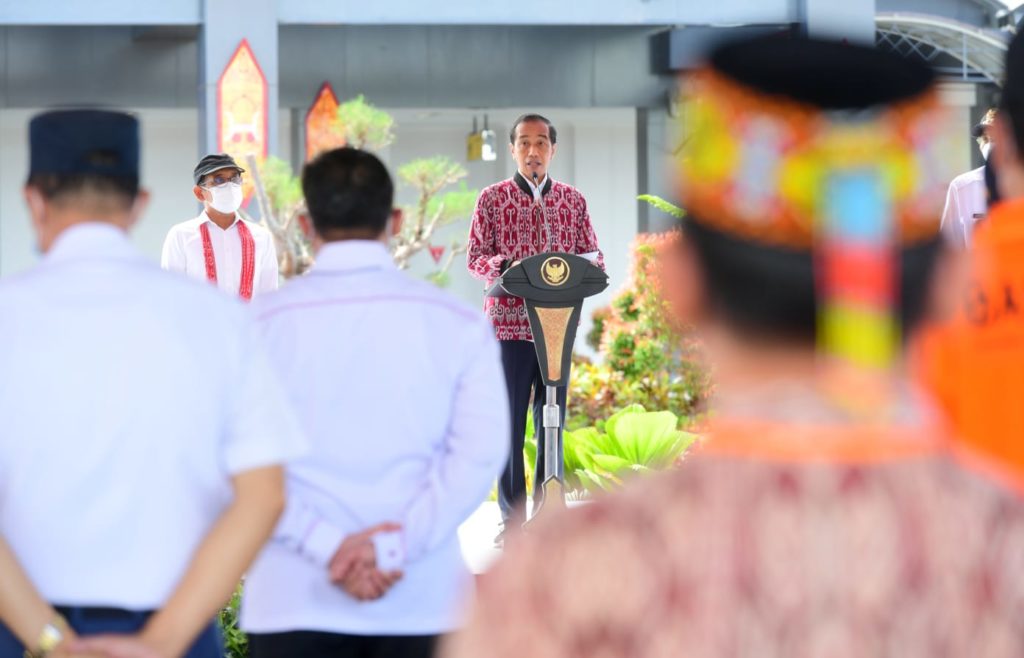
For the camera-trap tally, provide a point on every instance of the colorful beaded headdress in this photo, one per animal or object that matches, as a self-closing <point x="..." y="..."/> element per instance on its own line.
<point x="851" y="179"/>
<point x="761" y="167"/>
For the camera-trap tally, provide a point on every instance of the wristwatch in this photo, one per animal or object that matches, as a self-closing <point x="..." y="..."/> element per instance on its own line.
<point x="51" y="636"/>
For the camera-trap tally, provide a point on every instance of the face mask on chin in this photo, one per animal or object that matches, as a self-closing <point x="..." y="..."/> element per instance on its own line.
<point x="226" y="198"/>
<point x="985" y="149"/>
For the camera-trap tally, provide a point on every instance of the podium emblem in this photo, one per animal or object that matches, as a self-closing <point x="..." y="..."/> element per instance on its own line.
<point x="555" y="271"/>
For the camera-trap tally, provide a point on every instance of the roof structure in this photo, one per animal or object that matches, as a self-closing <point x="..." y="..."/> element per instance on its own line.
<point x="956" y="49"/>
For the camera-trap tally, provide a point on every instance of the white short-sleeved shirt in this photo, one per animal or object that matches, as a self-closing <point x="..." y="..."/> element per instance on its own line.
<point x="965" y="205"/>
<point x="399" y="387"/>
<point x="183" y="252"/>
<point x="128" y="397"/>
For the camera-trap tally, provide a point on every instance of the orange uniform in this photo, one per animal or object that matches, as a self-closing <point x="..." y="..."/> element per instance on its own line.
<point x="974" y="364"/>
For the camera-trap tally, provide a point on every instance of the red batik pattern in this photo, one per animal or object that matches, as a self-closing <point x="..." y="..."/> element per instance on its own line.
<point x="733" y="557"/>
<point x="509" y="225"/>
<point x="248" y="258"/>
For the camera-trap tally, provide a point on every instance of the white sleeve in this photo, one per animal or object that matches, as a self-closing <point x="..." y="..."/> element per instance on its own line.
<point x="172" y="258"/>
<point x="304" y="530"/>
<point x="951" y="222"/>
<point x="269" y="274"/>
<point x="262" y="427"/>
<point x="475" y="449"/>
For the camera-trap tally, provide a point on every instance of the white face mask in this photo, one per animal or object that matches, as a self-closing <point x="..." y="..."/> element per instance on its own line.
<point x="227" y="198"/>
<point x="985" y="148"/>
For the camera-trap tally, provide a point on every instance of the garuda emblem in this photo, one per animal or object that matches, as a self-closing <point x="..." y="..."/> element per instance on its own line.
<point x="555" y="271"/>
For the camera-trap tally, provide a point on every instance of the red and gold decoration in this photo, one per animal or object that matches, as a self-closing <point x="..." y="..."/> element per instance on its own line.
<point x="759" y="166"/>
<point x="242" y="110"/>
<point x="323" y="127"/>
<point x="436" y="253"/>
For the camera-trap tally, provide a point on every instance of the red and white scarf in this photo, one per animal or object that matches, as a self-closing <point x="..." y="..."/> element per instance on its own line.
<point x="248" y="258"/>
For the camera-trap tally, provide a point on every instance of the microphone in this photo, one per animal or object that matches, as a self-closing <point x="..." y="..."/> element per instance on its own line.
<point x="537" y="203"/>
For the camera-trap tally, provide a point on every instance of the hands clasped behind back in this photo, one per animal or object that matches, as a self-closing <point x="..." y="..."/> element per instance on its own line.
<point x="354" y="565"/>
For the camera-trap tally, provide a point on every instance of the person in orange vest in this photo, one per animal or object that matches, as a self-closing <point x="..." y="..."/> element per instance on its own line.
<point x="974" y="361"/>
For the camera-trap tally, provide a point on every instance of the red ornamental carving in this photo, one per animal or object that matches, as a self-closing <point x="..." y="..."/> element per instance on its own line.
<point x="323" y="128"/>
<point x="436" y="253"/>
<point x="242" y="110"/>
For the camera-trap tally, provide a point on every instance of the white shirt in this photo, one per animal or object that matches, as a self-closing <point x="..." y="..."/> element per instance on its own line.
<point x="537" y="189"/>
<point x="128" y="397"/>
<point x="399" y="387"/>
<point x="965" y="205"/>
<point x="183" y="252"/>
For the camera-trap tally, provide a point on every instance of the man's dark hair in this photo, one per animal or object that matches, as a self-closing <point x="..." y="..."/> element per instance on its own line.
<point x="348" y="190"/>
<point x="63" y="188"/>
<point x="525" y="118"/>
<point x="769" y="292"/>
<point x="1011" y="102"/>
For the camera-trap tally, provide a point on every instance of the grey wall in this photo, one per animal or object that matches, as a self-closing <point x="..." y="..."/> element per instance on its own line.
<point x="398" y="66"/>
<point x="119" y="66"/>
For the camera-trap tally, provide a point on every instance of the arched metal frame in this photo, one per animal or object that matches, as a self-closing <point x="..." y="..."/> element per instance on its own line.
<point x="980" y="51"/>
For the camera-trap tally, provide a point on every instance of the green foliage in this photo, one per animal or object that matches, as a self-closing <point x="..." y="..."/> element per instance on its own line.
<point x="597" y="328"/>
<point x="431" y="174"/>
<point x="529" y="450"/>
<point x="647" y="360"/>
<point x="453" y="205"/>
<point x="284" y="189"/>
<point x="664" y="206"/>
<point x="365" y="126"/>
<point x="439" y="278"/>
<point x="602" y="457"/>
<point x="634" y="441"/>
<point x="236" y="644"/>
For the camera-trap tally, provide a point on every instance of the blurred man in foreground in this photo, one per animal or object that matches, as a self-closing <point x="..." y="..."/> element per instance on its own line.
<point x="822" y="516"/>
<point x="140" y="461"/>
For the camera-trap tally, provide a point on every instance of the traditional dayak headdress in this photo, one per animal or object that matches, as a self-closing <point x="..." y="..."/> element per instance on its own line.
<point x="813" y="146"/>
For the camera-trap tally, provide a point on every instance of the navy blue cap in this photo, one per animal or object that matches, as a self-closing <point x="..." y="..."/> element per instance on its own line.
<point x="84" y="142"/>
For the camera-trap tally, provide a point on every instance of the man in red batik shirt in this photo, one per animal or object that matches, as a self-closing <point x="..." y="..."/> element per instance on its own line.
<point x="517" y="218"/>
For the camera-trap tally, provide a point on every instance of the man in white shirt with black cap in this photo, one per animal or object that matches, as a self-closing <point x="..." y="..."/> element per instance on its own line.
<point x="218" y="246"/>
<point x="140" y="462"/>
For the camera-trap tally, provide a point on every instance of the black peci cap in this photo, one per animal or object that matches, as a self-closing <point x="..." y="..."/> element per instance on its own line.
<point x="98" y="142"/>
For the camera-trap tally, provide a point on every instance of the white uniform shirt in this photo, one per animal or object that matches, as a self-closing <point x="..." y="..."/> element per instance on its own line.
<point x="183" y="252"/>
<point x="965" y="205"/>
<point x="400" y="389"/>
<point x="128" y="396"/>
<point x="537" y="189"/>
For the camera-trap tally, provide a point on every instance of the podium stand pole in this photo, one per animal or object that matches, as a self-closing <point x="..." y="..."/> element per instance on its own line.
<point x="552" y="423"/>
<point x="553" y="489"/>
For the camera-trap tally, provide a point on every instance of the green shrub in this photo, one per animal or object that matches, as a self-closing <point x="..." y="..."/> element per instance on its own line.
<point x="236" y="644"/>
<point x="645" y="358"/>
<point x="632" y="441"/>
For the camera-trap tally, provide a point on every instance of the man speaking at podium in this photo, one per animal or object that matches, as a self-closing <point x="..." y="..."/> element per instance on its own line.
<point x="526" y="215"/>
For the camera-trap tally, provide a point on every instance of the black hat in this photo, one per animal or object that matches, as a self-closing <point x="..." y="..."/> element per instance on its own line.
<point x="214" y="162"/>
<point x="84" y="142"/>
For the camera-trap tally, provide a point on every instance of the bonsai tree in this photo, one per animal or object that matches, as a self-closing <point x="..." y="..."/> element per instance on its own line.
<point x="283" y="210"/>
